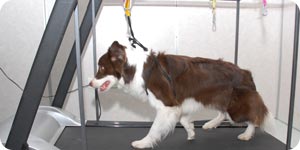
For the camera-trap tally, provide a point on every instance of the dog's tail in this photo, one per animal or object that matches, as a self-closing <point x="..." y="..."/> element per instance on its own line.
<point x="268" y="124"/>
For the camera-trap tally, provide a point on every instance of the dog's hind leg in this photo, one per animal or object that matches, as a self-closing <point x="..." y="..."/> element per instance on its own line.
<point x="188" y="126"/>
<point x="215" y="122"/>
<point x="249" y="132"/>
<point x="163" y="124"/>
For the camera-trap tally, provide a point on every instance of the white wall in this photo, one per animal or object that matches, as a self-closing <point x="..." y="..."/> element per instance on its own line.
<point x="22" y="24"/>
<point x="259" y="51"/>
<point x="63" y="52"/>
<point x="288" y="28"/>
<point x="286" y="66"/>
<point x="21" y="29"/>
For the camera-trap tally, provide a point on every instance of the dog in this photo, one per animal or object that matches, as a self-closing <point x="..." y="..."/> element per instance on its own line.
<point x="176" y="86"/>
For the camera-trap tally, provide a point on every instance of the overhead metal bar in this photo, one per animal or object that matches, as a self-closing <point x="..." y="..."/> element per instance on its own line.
<point x="197" y="3"/>
<point x="70" y="67"/>
<point x="39" y="74"/>
<point x="293" y="80"/>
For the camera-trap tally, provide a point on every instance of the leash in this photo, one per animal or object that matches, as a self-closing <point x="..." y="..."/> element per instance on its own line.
<point x="132" y="39"/>
<point x="164" y="73"/>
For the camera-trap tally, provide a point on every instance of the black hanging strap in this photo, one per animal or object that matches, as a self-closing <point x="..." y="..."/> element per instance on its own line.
<point x="132" y="39"/>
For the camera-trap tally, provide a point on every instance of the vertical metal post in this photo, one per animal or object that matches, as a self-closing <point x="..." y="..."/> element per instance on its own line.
<point x="79" y="80"/>
<point x="293" y="82"/>
<point x="237" y="28"/>
<point x="280" y="61"/>
<point x="70" y="67"/>
<point x="97" y="100"/>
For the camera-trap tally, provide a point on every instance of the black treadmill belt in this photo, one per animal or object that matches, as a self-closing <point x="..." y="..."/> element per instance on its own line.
<point x="105" y="138"/>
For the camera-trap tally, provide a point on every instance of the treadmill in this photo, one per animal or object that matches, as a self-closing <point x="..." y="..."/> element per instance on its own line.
<point x="65" y="132"/>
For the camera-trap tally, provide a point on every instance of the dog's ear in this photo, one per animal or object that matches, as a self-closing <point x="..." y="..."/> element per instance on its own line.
<point x="117" y="52"/>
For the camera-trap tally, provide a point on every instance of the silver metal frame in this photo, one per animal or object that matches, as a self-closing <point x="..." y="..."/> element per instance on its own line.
<point x="293" y="80"/>
<point x="50" y="118"/>
<point x="97" y="100"/>
<point x="79" y="80"/>
<point x="192" y="3"/>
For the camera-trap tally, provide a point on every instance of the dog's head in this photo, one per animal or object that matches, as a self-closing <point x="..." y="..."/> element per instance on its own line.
<point x="110" y="67"/>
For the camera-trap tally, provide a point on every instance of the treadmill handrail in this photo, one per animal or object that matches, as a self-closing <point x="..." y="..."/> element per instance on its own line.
<point x="69" y="70"/>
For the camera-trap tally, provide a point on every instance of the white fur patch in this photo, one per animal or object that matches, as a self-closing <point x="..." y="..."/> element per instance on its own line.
<point x="154" y="102"/>
<point x="249" y="132"/>
<point x="269" y="124"/>
<point x="137" y="58"/>
<point x="214" y="123"/>
<point x="188" y="125"/>
<point x="121" y="84"/>
<point x="164" y="123"/>
<point x="190" y="105"/>
<point x="97" y="83"/>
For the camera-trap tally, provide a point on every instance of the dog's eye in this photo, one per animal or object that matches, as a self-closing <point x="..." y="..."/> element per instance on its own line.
<point x="102" y="68"/>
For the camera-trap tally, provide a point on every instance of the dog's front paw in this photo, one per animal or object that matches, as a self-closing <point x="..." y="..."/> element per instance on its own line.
<point x="141" y="144"/>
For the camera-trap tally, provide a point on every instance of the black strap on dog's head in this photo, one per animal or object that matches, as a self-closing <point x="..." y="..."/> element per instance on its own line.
<point x="132" y="39"/>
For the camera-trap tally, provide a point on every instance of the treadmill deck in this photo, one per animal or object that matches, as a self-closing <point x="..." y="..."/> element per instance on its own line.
<point x="120" y="138"/>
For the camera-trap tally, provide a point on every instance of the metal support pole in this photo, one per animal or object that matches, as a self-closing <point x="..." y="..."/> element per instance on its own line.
<point x="237" y="28"/>
<point x="69" y="70"/>
<point x="97" y="100"/>
<point x="79" y="80"/>
<point x="293" y="82"/>
<point x="280" y="62"/>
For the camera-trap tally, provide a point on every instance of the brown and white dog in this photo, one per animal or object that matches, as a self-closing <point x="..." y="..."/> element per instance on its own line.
<point x="177" y="86"/>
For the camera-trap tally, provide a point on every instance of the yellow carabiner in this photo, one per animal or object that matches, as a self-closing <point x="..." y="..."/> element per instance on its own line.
<point x="127" y="12"/>
<point x="214" y="4"/>
<point x="127" y="8"/>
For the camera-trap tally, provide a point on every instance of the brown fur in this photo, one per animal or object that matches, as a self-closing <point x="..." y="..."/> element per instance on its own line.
<point x="215" y="83"/>
<point x="115" y="63"/>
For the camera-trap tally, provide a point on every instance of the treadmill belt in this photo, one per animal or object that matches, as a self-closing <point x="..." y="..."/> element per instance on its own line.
<point x="107" y="138"/>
